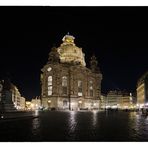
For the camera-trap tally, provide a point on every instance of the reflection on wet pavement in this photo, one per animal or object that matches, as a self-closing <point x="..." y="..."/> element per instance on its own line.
<point x="77" y="126"/>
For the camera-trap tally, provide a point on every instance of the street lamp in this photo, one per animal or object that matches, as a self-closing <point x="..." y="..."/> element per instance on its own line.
<point x="49" y="103"/>
<point x="69" y="90"/>
<point x="80" y="103"/>
<point x="36" y="106"/>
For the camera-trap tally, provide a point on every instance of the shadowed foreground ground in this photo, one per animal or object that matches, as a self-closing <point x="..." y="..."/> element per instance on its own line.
<point x="76" y="126"/>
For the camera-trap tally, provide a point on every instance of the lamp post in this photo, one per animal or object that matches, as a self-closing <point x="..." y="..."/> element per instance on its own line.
<point x="49" y="103"/>
<point x="69" y="90"/>
<point x="80" y="104"/>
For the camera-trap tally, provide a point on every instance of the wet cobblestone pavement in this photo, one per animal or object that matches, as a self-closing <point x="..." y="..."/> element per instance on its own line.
<point x="77" y="126"/>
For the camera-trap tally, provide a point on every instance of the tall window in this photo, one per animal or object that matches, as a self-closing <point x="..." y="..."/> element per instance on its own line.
<point x="65" y="103"/>
<point x="64" y="85"/>
<point x="49" y="85"/>
<point x="80" y="88"/>
<point x="91" y="88"/>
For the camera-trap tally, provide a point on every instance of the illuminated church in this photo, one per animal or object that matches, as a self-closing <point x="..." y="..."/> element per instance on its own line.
<point x="66" y="82"/>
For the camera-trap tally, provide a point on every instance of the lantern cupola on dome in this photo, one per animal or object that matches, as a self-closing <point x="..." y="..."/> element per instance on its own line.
<point x="70" y="53"/>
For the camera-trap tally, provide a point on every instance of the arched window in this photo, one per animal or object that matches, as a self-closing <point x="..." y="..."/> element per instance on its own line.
<point x="49" y="85"/>
<point x="91" y="88"/>
<point x="64" y="85"/>
<point x="80" y="88"/>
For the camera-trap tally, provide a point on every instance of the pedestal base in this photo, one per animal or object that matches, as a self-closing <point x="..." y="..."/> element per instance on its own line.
<point x="7" y="108"/>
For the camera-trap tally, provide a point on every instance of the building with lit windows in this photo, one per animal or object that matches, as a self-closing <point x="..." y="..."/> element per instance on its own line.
<point x="103" y="101"/>
<point x="66" y="82"/>
<point x="126" y="101"/>
<point x="117" y="99"/>
<point x="28" y="105"/>
<point x="113" y="98"/>
<point x="36" y="103"/>
<point x="142" y="90"/>
<point x="16" y="97"/>
<point x="22" y="103"/>
<point x="11" y="98"/>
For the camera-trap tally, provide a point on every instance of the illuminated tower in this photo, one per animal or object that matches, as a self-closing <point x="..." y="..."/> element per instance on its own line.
<point x="94" y="64"/>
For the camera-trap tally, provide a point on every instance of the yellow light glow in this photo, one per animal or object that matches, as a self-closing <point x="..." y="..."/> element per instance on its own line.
<point x="80" y="102"/>
<point x="32" y="105"/>
<point x="28" y="103"/>
<point x="49" y="101"/>
<point x="69" y="40"/>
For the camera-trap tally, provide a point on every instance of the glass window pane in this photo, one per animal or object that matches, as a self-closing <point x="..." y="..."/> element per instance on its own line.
<point x="49" y="83"/>
<point x="64" y="81"/>
<point x="79" y="93"/>
<point x="91" y="88"/>
<point x="80" y="88"/>
<point x="64" y="90"/>
<point x="49" y="90"/>
<point x="49" y="80"/>
<point x="49" y="93"/>
<point x="91" y="93"/>
<point x="79" y="83"/>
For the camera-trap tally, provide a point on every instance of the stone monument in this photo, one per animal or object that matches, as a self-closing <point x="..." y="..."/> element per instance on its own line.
<point x="6" y="104"/>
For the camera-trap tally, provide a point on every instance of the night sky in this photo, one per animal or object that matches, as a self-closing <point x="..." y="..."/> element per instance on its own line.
<point x="118" y="36"/>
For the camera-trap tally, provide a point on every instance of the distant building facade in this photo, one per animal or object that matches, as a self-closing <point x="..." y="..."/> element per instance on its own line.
<point x="103" y="101"/>
<point x="117" y="99"/>
<point x="66" y="82"/>
<point x="36" y="103"/>
<point x="28" y="105"/>
<point x="10" y="97"/>
<point x="113" y="98"/>
<point x="22" y="103"/>
<point x="126" y="101"/>
<point x="142" y="90"/>
<point x="17" y="99"/>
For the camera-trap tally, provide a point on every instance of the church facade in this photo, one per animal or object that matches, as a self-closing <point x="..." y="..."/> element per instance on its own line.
<point x="66" y="82"/>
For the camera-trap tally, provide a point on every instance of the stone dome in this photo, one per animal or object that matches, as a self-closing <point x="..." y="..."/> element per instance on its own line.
<point x="69" y="52"/>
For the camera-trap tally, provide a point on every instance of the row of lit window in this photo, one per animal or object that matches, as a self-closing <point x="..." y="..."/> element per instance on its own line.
<point x="64" y="86"/>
